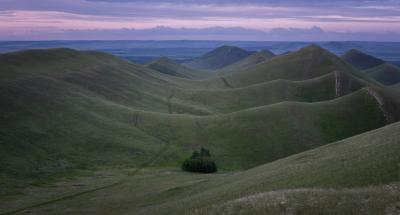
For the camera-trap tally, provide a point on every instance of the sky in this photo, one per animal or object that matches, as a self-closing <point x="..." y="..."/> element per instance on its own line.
<point x="363" y="20"/>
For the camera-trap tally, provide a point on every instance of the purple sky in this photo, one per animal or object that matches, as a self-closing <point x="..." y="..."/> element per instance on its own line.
<point x="190" y="19"/>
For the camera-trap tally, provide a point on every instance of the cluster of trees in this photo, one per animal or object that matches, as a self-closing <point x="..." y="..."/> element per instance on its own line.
<point x="200" y="162"/>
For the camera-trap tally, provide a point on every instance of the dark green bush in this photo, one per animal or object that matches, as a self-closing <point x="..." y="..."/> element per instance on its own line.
<point x="200" y="162"/>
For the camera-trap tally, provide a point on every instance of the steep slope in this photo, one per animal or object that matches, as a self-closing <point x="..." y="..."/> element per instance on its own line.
<point x="387" y="74"/>
<point x="169" y="67"/>
<point x="360" y="161"/>
<point x="219" y="58"/>
<point x="248" y="62"/>
<point x="361" y="60"/>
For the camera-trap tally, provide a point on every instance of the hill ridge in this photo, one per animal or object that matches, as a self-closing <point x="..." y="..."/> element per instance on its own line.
<point x="361" y="60"/>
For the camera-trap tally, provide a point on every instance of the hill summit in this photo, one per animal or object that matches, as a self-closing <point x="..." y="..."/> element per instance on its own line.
<point x="219" y="58"/>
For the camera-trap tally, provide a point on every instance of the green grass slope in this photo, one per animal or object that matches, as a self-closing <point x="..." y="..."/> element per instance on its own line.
<point x="255" y="136"/>
<point x="347" y="177"/>
<point x="387" y="74"/>
<point x="309" y="62"/>
<point x="361" y="60"/>
<point x="219" y="58"/>
<point x="77" y="131"/>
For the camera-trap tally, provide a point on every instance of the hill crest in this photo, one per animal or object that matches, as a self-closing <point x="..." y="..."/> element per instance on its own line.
<point x="219" y="58"/>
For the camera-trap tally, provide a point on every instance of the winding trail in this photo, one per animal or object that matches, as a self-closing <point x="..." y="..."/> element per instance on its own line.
<point x="169" y="101"/>
<point x="338" y="83"/>
<point x="381" y="104"/>
<point x="226" y="82"/>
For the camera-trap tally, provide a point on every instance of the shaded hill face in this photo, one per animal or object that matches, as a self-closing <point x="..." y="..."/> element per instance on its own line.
<point x="361" y="60"/>
<point x="219" y="58"/>
<point x="248" y="62"/>
<point x="66" y="110"/>
<point x="387" y="74"/>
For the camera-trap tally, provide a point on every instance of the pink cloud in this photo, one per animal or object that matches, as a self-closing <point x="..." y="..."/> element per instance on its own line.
<point x="33" y="20"/>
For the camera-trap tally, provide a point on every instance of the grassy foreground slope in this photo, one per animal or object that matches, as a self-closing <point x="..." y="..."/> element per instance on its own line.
<point x="324" y="173"/>
<point x="358" y="175"/>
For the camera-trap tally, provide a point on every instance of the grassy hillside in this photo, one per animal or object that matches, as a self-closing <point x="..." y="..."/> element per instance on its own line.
<point x="361" y="161"/>
<point x="258" y="135"/>
<point x="387" y="74"/>
<point x="361" y="60"/>
<point x="280" y="90"/>
<point x="84" y="132"/>
<point x="65" y="111"/>
<point x="219" y="58"/>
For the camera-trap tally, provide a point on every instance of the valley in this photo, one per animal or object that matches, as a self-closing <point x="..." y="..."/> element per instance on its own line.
<point x="86" y="132"/>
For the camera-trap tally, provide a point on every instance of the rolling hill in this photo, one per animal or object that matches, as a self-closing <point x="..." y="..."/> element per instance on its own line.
<point x="219" y="58"/>
<point x="268" y="125"/>
<point x="361" y="60"/>
<point x="307" y="63"/>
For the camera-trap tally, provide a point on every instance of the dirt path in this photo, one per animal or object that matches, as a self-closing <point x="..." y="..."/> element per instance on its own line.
<point x="381" y="104"/>
<point x="169" y="102"/>
<point x="226" y="82"/>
